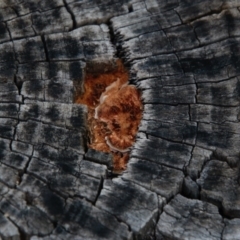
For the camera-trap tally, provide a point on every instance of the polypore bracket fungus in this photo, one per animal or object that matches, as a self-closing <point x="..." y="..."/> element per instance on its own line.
<point x="115" y="111"/>
<point x="119" y="108"/>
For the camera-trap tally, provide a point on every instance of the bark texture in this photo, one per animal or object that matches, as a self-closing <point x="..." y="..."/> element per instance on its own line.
<point x="183" y="177"/>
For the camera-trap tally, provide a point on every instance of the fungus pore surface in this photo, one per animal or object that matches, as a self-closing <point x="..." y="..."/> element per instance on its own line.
<point x="114" y="112"/>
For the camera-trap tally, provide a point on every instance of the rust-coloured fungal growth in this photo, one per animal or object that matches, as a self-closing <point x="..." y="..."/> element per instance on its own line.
<point x="115" y="111"/>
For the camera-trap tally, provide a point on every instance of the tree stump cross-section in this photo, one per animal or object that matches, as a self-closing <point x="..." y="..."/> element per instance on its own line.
<point x="182" y="179"/>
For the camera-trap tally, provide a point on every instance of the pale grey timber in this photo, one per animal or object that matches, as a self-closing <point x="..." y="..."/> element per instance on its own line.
<point x="183" y="177"/>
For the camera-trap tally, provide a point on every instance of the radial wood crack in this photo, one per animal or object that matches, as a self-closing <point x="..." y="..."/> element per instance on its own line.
<point x="114" y="112"/>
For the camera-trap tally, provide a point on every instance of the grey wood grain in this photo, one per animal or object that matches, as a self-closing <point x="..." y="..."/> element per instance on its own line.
<point x="182" y="179"/>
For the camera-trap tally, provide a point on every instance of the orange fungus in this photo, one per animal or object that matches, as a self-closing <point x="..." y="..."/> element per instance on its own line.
<point x="115" y="111"/>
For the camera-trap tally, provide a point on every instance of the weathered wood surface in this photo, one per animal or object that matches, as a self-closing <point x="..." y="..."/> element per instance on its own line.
<point x="183" y="176"/>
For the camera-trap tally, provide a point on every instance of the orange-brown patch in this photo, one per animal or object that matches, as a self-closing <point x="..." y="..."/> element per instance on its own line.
<point x="114" y="113"/>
